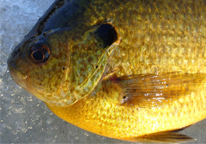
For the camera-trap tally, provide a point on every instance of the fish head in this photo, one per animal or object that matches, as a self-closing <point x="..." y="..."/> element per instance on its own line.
<point x="61" y="66"/>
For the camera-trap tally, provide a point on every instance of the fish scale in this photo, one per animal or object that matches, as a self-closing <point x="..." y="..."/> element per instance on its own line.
<point x="160" y="39"/>
<point x="87" y="114"/>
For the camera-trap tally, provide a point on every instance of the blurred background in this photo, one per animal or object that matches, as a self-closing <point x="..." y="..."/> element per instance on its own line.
<point x="24" y="118"/>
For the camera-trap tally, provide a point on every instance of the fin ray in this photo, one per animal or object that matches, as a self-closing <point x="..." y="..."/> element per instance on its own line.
<point x="163" y="137"/>
<point x="153" y="90"/>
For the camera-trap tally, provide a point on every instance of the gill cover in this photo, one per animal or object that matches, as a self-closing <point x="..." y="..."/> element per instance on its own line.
<point x="89" y="59"/>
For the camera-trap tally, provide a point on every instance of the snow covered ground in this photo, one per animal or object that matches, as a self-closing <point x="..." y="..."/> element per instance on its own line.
<point x="24" y="118"/>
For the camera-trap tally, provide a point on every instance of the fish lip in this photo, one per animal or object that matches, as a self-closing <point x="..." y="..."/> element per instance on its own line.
<point x="14" y="71"/>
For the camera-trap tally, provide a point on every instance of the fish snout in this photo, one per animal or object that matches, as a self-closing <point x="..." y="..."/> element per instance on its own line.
<point x="18" y="64"/>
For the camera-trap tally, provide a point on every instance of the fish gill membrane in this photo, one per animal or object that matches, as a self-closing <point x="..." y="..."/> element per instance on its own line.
<point x="59" y="71"/>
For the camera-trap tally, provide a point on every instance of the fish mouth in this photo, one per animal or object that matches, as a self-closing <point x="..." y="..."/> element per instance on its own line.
<point x="15" y="73"/>
<point x="20" y="79"/>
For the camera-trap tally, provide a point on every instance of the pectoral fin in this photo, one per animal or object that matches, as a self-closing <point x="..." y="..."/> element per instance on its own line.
<point x="153" y="90"/>
<point x="162" y="137"/>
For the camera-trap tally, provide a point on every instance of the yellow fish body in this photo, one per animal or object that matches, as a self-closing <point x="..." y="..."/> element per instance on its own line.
<point x="131" y="70"/>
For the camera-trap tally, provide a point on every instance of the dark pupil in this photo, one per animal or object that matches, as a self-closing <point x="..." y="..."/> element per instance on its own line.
<point x="38" y="55"/>
<point x="39" y="52"/>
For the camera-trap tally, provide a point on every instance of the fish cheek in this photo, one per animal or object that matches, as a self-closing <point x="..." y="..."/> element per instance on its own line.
<point x="47" y="81"/>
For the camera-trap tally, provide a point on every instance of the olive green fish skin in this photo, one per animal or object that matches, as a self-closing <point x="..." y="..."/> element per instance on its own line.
<point x="79" y="81"/>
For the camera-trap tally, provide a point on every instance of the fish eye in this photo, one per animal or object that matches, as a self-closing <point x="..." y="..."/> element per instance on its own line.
<point x="39" y="52"/>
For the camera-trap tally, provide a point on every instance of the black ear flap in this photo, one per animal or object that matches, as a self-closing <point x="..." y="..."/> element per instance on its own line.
<point x="107" y="34"/>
